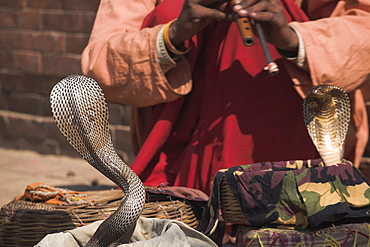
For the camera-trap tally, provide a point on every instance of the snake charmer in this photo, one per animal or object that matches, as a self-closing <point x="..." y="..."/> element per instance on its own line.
<point x="202" y="101"/>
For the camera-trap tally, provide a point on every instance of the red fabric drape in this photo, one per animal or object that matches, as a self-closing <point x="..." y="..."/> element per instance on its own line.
<point x="236" y="113"/>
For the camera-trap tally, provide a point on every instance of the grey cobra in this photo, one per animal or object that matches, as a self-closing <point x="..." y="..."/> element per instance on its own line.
<point x="326" y="112"/>
<point x="81" y="114"/>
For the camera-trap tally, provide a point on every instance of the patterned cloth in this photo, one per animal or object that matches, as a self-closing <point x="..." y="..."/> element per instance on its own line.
<point x="342" y="235"/>
<point x="292" y="194"/>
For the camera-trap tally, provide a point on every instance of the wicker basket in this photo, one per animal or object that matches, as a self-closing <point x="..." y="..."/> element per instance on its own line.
<point x="175" y="210"/>
<point x="230" y="208"/>
<point x="352" y="186"/>
<point x="24" y="223"/>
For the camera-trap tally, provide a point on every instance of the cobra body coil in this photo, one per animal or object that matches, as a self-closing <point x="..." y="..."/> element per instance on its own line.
<point x="81" y="114"/>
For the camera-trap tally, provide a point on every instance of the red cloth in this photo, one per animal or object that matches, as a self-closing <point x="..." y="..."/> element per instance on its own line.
<point x="236" y="113"/>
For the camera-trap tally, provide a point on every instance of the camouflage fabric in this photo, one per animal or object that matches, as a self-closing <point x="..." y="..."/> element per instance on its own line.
<point x="334" y="236"/>
<point x="295" y="194"/>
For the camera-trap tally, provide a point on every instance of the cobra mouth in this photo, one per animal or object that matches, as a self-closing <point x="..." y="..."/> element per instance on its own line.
<point x="321" y="95"/>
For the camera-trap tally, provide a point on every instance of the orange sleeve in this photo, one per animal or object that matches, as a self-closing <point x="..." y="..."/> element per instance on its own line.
<point x="338" y="53"/>
<point x="337" y="48"/>
<point x="123" y="59"/>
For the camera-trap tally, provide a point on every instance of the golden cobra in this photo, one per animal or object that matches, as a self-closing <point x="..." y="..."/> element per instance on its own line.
<point x="81" y="113"/>
<point x="326" y="112"/>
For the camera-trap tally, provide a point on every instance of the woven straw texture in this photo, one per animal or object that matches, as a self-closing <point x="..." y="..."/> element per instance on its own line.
<point x="24" y="223"/>
<point x="231" y="211"/>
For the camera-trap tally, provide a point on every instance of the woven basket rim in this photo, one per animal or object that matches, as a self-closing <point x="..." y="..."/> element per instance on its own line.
<point x="25" y="223"/>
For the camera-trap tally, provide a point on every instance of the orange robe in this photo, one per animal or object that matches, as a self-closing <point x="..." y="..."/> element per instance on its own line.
<point x="123" y="59"/>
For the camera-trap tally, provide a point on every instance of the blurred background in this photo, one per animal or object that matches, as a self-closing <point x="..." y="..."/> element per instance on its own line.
<point x="40" y="43"/>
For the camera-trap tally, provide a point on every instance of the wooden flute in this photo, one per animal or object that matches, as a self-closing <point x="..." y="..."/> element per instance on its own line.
<point x="246" y="32"/>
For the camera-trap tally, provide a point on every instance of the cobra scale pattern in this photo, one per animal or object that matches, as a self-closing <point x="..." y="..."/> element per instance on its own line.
<point x="81" y="114"/>
<point x="326" y="112"/>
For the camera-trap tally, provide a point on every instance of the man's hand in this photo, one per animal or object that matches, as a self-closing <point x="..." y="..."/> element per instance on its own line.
<point x="271" y="16"/>
<point x="195" y="15"/>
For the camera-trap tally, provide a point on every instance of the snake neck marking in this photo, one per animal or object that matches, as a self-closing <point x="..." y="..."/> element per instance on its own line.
<point x="326" y="111"/>
<point x="81" y="114"/>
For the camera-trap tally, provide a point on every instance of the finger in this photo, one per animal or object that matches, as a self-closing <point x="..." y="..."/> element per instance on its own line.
<point x="263" y="6"/>
<point x="240" y="7"/>
<point x="257" y="6"/>
<point x="245" y="3"/>
<point x="216" y="14"/>
<point x="262" y="16"/>
<point x="268" y="12"/>
<point x="209" y="2"/>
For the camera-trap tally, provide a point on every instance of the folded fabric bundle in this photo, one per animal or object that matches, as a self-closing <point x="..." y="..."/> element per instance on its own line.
<point x="40" y="192"/>
<point x="292" y="194"/>
<point x="357" y="234"/>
